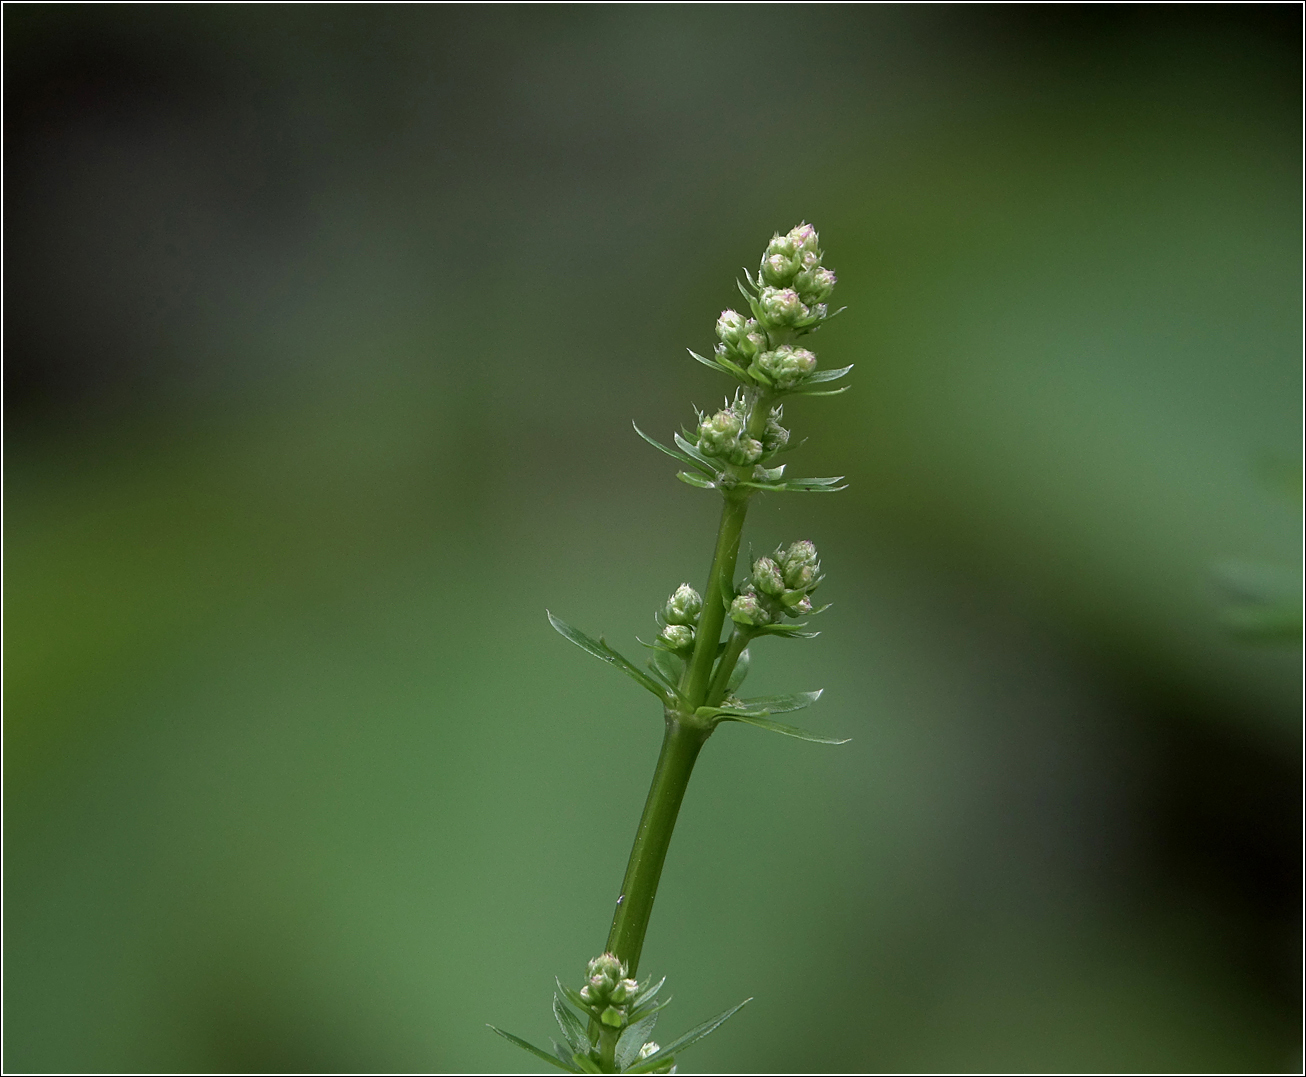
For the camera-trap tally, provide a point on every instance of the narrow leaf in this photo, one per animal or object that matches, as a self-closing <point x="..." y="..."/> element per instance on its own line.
<point x="787" y="730"/>
<point x="646" y="992"/>
<point x="565" y="1053"/>
<point x="599" y="649"/>
<point x="826" y="375"/>
<point x="740" y="671"/>
<point x="571" y="1027"/>
<point x="670" y="667"/>
<point x="787" y="631"/>
<point x="650" y="1009"/>
<point x="692" y="451"/>
<point x="821" y="392"/>
<point x="795" y="701"/>
<point x="706" y="362"/>
<point x="572" y="996"/>
<point x="662" y="448"/>
<point x="550" y="1059"/>
<point x="655" y="1060"/>
<point x="635" y="1036"/>
<point x="695" y="480"/>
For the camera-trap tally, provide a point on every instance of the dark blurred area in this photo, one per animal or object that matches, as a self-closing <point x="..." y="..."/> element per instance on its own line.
<point x="324" y="327"/>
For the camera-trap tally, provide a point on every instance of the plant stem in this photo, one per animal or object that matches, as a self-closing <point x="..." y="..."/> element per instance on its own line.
<point x="684" y="736"/>
<point x="717" y="690"/>
<point x="680" y="748"/>
<point x="713" y="616"/>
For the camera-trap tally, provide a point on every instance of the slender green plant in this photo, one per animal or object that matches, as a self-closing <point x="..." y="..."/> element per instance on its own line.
<point x="695" y="672"/>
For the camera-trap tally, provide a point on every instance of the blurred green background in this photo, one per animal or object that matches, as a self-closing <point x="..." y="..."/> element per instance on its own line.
<point x="324" y="330"/>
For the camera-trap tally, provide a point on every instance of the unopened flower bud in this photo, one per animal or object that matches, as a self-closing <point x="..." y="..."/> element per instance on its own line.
<point x="784" y="246"/>
<point x="787" y="365"/>
<point x="683" y="607"/>
<point x="730" y="327"/>
<point x="648" y="1049"/>
<point x="800" y="576"/>
<point x="747" y="609"/>
<point x="815" y="285"/>
<point x="604" y="971"/>
<point x="801" y="608"/>
<point x="781" y="306"/>
<point x="775" y="437"/>
<point x="800" y="552"/>
<point x="677" y="637"/>
<point x="804" y="237"/>
<point x="624" y="990"/>
<point x="747" y="452"/>
<point x="752" y="340"/>
<point x="766" y="576"/>
<point x="718" y="435"/>
<point x="779" y="269"/>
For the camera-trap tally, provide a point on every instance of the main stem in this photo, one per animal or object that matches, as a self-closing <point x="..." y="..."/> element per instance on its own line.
<point x="685" y="736"/>
<point x="680" y="748"/>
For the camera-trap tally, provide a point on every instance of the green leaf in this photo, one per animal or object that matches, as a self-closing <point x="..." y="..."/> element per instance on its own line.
<point x="669" y="665"/>
<point x="770" y="474"/>
<point x="740" y="671"/>
<point x="599" y="649"/>
<point x="571" y="1027"/>
<point x="645" y="993"/>
<point x="552" y="1060"/>
<point x="692" y="451"/>
<point x="695" y="480"/>
<point x="662" y="448"/>
<point x="780" y="727"/>
<point x="794" y="631"/>
<point x="650" y="1009"/>
<point x="820" y="392"/>
<point x="706" y="362"/>
<point x="573" y="997"/>
<point x="658" y="1058"/>
<point x="587" y="1064"/>
<point x="565" y="1053"/>
<point x="827" y="375"/>
<point x="635" y="1036"/>
<point x="796" y="701"/>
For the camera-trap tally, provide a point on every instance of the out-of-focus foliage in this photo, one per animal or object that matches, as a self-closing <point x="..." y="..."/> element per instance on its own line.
<point x="324" y="330"/>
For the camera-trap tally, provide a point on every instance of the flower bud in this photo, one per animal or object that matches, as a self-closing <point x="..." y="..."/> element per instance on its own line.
<point x="800" y="608"/>
<point x="775" y="437"/>
<point x="801" y="577"/>
<point x="779" y="270"/>
<point x="604" y="971"/>
<point x="747" y="452"/>
<point x="784" y="246"/>
<point x="787" y="365"/>
<point x="804" y="238"/>
<point x="683" y="607"/>
<point x="677" y="637"/>
<point x="747" y="609"/>
<point x="730" y="327"/>
<point x="719" y="434"/>
<point x="649" y="1048"/>
<point x="781" y="306"/>
<point x="800" y="552"/>
<point x="624" y="991"/>
<point x="766" y="576"/>
<point x="752" y="341"/>
<point x="815" y="285"/>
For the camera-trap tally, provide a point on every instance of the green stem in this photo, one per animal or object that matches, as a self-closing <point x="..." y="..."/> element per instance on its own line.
<point x="717" y="690"/>
<point x="685" y="736"/>
<point x="722" y="576"/>
<point x="680" y="748"/>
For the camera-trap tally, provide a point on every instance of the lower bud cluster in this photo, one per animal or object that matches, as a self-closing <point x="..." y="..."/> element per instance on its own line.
<point x="778" y="586"/>
<point x="679" y="618"/>
<point x="608" y="992"/>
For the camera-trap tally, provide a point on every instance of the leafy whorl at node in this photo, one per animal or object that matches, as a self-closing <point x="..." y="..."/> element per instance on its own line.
<point x="619" y="1006"/>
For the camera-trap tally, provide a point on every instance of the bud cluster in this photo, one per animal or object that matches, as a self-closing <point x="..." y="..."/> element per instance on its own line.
<point x="724" y="435"/>
<point x="792" y="290"/>
<point x="779" y="585"/>
<point x="680" y="618"/>
<point x="607" y="991"/>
